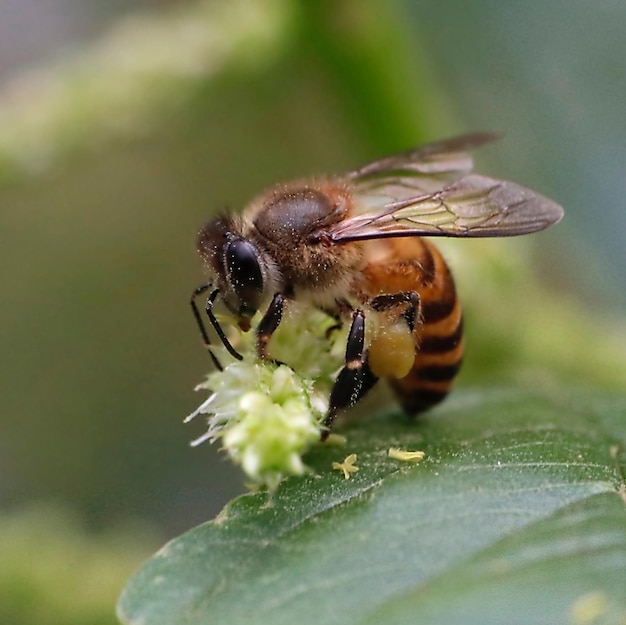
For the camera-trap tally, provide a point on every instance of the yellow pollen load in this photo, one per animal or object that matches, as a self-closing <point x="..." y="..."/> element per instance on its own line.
<point x="392" y="352"/>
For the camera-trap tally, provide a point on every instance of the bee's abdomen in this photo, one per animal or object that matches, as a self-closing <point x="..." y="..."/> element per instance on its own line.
<point x="439" y="338"/>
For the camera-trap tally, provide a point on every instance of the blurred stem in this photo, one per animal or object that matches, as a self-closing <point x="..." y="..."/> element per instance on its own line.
<point x="147" y="66"/>
<point x="376" y="69"/>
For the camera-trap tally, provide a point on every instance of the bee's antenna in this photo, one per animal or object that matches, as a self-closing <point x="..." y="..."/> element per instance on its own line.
<point x="196" y="313"/>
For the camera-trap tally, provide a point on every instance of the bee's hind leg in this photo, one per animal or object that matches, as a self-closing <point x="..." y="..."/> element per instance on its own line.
<point x="410" y="300"/>
<point x="355" y="379"/>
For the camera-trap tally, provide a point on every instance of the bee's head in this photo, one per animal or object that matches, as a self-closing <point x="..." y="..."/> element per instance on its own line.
<point x="239" y="266"/>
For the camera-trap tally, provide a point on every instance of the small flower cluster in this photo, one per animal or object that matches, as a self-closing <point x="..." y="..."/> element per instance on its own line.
<point x="267" y="415"/>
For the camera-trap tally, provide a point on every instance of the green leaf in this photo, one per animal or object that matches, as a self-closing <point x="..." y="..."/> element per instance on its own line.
<point x="516" y="515"/>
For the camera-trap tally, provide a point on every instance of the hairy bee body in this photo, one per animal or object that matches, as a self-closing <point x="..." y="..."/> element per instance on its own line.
<point x="353" y="246"/>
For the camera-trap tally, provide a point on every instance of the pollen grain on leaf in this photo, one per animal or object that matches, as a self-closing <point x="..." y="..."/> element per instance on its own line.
<point x="348" y="466"/>
<point x="406" y="455"/>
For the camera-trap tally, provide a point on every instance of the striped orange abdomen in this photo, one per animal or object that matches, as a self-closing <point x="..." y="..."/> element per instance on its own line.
<point x="399" y="265"/>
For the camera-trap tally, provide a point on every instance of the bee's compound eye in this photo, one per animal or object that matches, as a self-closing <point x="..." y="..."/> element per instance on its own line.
<point x="244" y="272"/>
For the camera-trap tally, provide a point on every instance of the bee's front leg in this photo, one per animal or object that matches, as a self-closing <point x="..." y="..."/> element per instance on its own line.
<point x="355" y="379"/>
<point x="196" y="314"/>
<point x="268" y="324"/>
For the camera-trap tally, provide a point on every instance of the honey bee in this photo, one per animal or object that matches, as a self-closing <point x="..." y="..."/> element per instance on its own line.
<point x="353" y="246"/>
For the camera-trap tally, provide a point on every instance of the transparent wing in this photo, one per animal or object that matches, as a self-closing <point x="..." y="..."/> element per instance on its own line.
<point x="429" y="192"/>
<point x="422" y="170"/>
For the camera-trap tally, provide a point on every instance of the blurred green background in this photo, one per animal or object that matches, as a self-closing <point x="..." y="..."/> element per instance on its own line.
<point x="124" y="127"/>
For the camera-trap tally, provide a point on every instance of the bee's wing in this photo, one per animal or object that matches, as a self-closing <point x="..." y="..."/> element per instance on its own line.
<point x="474" y="206"/>
<point x="421" y="170"/>
<point x="430" y="192"/>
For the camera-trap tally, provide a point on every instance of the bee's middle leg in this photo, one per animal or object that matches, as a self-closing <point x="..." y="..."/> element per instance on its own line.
<point x="355" y="379"/>
<point x="268" y="325"/>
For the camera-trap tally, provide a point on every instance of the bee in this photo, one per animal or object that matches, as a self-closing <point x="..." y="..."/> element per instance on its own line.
<point x="357" y="246"/>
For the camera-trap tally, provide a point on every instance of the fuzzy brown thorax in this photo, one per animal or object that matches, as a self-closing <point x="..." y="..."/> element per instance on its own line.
<point x="289" y="224"/>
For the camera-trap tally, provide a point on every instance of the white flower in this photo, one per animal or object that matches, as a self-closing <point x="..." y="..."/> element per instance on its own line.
<point x="266" y="415"/>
